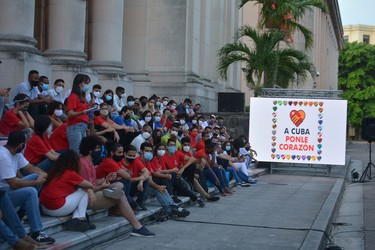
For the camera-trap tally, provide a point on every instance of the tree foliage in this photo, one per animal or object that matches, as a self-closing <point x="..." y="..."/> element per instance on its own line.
<point x="357" y="80"/>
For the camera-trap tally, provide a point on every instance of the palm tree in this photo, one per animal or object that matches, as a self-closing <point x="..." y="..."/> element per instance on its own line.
<point x="259" y="59"/>
<point x="284" y="15"/>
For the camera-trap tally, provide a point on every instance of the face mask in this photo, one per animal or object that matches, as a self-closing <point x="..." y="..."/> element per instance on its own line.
<point x="95" y="155"/>
<point x="187" y="106"/>
<point x="49" y="130"/>
<point x="130" y="103"/>
<point x="182" y="122"/>
<point x="34" y="83"/>
<point x="194" y="134"/>
<point x="117" y="158"/>
<point x="165" y="103"/>
<point x="85" y="88"/>
<point x="104" y="112"/>
<point x="58" y="112"/>
<point x="45" y="86"/>
<point x="59" y="89"/>
<point x="227" y="148"/>
<point x="186" y="148"/>
<point x="161" y="152"/>
<point x="157" y="104"/>
<point x="146" y="135"/>
<point x="147" y="118"/>
<point x="123" y="95"/>
<point x="157" y="119"/>
<point x="20" y="150"/>
<point x="108" y="98"/>
<point x="127" y="117"/>
<point x="172" y="149"/>
<point x="173" y="107"/>
<point x="220" y="124"/>
<point x="174" y="133"/>
<point x="194" y="121"/>
<point x="96" y="93"/>
<point x="130" y="159"/>
<point x="148" y="156"/>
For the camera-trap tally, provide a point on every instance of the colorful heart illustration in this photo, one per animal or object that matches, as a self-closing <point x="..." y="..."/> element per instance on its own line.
<point x="298" y="157"/>
<point x="300" y="103"/>
<point x="273" y="144"/>
<point x="273" y="138"/>
<point x="274" y="126"/>
<point x="274" y="114"/>
<point x="285" y="103"/>
<point x="320" y="110"/>
<point x="320" y="134"/>
<point x="320" y="146"/>
<point x="273" y="150"/>
<point x="306" y="103"/>
<point x="320" y="122"/>
<point x="320" y="116"/>
<point x="278" y="156"/>
<point x="320" y="139"/>
<point x="303" y="157"/>
<point x="283" y="157"/>
<point x="319" y="152"/>
<point x="274" y="102"/>
<point x="288" y="157"/>
<point x="274" y="120"/>
<point x="295" y="103"/>
<point x="274" y="108"/>
<point x="290" y="103"/>
<point x="311" y="103"/>
<point x="308" y="157"/>
<point x="321" y="104"/>
<point x="274" y="132"/>
<point x="280" y="102"/>
<point x="313" y="158"/>
<point x="273" y="156"/>
<point x="319" y="158"/>
<point x="293" y="157"/>
<point x="320" y="128"/>
<point x="297" y="117"/>
<point x="315" y="104"/>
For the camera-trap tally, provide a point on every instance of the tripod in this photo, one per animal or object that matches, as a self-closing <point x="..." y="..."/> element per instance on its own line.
<point x="367" y="172"/>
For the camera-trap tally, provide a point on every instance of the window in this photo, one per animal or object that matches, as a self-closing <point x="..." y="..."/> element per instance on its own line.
<point x="366" y="39"/>
<point x="346" y="39"/>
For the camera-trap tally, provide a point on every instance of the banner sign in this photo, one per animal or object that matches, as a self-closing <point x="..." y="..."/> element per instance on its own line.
<point x="298" y="130"/>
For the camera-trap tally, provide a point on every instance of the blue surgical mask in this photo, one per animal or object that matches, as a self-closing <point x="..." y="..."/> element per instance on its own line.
<point x="172" y="149"/>
<point x="131" y="103"/>
<point x="227" y="148"/>
<point x="157" y="104"/>
<point x="108" y="98"/>
<point x="45" y="86"/>
<point x="148" y="156"/>
<point x="85" y="88"/>
<point x="157" y="119"/>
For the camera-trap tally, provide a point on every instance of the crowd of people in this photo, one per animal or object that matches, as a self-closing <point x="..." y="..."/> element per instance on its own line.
<point x="88" y="149"/>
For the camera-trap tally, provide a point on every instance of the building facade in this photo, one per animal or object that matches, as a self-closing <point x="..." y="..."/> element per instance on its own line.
<point x="328" y="40"/>
<point x="162" y="47"/>
<point x="359" y="33"/>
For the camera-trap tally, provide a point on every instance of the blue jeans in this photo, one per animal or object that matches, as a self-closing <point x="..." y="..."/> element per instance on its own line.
<point x="75" y="133"/>
<point x="27" y="199"/>
<point x="220" y="174"/>
<point x="165" y="199"/>
<point x="234" y="173"/>
<point x="45" y="165"/>
<point x="11" y="228"/>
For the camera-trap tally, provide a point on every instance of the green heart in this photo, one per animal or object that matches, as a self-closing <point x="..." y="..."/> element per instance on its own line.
<point x="274" y="108"/>
<point x="320" y="146"/>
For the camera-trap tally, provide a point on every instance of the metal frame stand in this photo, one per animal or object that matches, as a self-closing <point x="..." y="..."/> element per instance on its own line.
<point x="367" y="172"/>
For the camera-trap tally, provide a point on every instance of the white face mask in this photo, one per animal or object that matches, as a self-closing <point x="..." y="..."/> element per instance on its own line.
<point x="96" y="93"/>
<point x="186" y="148"/>
<point x="194" y="121"/>
<point x="59" y="89"/>
<point x="123" y="95"/>
<point x="104" y="112"/>
<point x="147" y="118"/>
<point x="58" y="112"/>
<point x="175" y="133"/>
<point x="173" y="107"/>
<point x="165" y="103"/>
<point x="182" y="122"/>
<point x="161" y="152"/>
<point x="146" y="135"/>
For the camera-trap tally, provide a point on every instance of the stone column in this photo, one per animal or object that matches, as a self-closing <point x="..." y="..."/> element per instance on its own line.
<point x="106" y="20"/>
<point x="66" y="32"/>
<point x="17" y="26"/>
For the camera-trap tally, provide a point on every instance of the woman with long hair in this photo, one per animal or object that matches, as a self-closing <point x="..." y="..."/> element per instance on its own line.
<point x="55" y="112"/>
<point x="77" y="111"/>
<point x="66" y="192"/>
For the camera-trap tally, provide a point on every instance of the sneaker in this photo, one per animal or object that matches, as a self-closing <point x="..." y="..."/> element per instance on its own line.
<point x="213" y="198"/>
<point x="201" y="202"/>
<point x="176" y="199"/>
<point x="143" y="208"/>
<point x="77" y="225"/>
<point x="42" y="238"/>
<point x="91" y="225"/>
<point x="143" y="231"/>
<point x="245" y="184"/>
<point x="179" y="212"/>
<point x="252" y="180"/>
<point x="23" y="217"/>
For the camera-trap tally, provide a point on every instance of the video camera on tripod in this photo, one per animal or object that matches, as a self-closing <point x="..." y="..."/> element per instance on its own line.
<point x="368" y="133"/>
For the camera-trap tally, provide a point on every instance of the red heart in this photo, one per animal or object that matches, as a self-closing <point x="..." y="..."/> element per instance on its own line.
<point x="320" y="140"/>
<point x="297" y="117"/>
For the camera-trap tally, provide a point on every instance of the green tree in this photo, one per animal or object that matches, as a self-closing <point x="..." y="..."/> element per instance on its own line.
<point x="284" y="15"/>
<point x="357" y="80"/>
<point x="259" y="59"/>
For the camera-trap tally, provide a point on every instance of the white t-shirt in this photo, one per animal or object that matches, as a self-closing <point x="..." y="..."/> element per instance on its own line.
<point x="23" y="88"/>
<point x="137" y="142"/>
<point x="56" y="96"/>
<point x="9" y="165"/>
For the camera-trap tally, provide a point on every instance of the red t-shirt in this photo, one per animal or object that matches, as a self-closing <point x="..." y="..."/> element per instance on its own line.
<point x="193" y="142"/>
<point x="106" y="167"/>
<point x="75" y="104"/>
<point x="171" y="161"/>
<point x="181" y="156"/>
<point x="9" y="122"/>
<point x="36" y="148"/>
<point x="135" y="167"/>
<point x="200" y="145"/>
<point x="88" y="171"/>
<point x="158" y="163"/>
<point x="201" y="153"/>
<point x="98" y="120"/>
<point x="59" y="139"/>
<point x="53" y="195"/>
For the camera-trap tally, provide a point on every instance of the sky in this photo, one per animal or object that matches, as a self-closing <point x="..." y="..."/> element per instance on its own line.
<point x="357" y="12"/>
